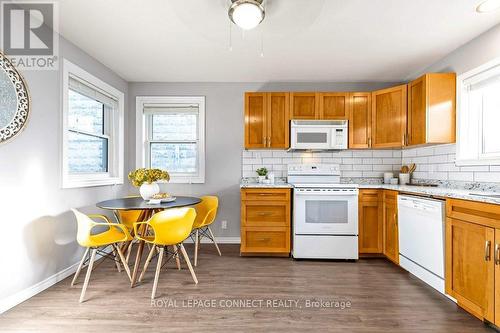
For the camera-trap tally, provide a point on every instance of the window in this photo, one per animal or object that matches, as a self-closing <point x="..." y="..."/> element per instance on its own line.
<point x="478" y="140"/>
<point x="92" y="130"/>
<point x="172" y="136"/>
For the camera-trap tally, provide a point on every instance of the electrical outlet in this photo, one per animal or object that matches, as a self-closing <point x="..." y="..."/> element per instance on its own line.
<point x="224" y="224"/>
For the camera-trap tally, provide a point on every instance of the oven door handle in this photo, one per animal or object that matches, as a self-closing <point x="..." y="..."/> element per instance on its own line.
<point x="327" y="193"/>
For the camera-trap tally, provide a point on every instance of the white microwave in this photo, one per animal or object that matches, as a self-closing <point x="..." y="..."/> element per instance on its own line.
<point x="318" y="134"/>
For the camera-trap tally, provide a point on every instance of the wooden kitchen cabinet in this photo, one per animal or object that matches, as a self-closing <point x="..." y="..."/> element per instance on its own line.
<point x="360" y="120"/>
<point x="390" y="226"/>
<point x="334" y="106"/>
<point x="370" y="222"/>
<point x="304" y="105"/>
<point x="472" y="257"/>
<point x="267" y="120"/>
<point x="388" y="123"/>
<point x="265" y="222"/>
<point x="431" y="109"/>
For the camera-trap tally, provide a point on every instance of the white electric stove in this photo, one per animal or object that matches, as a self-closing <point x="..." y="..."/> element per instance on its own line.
<point x="325" y="213"/>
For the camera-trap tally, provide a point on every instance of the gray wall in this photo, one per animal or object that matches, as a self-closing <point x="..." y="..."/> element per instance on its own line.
<point x="224" y="135"/>
<point x="39" y="237"/>
<point x="478" y="51"/>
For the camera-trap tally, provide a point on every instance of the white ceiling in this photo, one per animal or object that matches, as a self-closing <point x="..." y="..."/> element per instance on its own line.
<point x="304" y="40"/>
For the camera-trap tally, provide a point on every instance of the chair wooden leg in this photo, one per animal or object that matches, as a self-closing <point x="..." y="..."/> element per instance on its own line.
<point x="196" y="245"/>
<point x="80" y="266"/>
<point x="87" y="277"/>
<point x="157" y="274"/>
<point x="148" y="260"/>
<point x="122" y="258"/>
<point x="188" y="262"/>
<point x="215" y="243"/>
<point x="116" y="258"/>
<point x="129" y="250"/>
<point x="176" y="255"/>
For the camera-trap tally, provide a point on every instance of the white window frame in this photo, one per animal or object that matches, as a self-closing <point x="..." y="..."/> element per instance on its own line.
<point x="462" y="104"/>
<point x="142" y="143"/>
<point x="114" y="175"/>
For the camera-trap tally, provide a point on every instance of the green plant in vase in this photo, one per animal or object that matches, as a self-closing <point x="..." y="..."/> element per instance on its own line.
<point x="262" y="173"/>
<point x="146" y="180"/>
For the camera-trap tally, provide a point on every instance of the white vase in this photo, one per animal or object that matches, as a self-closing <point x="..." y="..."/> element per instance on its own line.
<point x="147" y="190"/>
<point x="261" y="179"/>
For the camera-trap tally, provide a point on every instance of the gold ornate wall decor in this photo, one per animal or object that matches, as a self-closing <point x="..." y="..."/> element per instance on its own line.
<point x="14" y="100"/>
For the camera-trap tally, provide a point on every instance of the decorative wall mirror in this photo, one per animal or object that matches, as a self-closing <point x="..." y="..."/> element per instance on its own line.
<point x="14" y="100"/>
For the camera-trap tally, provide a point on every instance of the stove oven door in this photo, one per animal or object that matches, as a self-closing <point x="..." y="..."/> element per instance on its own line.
<point x="325" y="211"/>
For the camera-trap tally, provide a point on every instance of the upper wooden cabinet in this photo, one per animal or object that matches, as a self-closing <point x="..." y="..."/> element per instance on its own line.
<point x="304" y="105"/>
<point x="334" y="106"/>
<point x="431" y="109"/>
<point x="360" y="120"/>
<point x="389" y="117"/>
<point x="267" y="120"/>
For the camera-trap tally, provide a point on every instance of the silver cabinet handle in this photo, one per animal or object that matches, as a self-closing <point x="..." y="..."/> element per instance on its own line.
<point x="487" y="250"/>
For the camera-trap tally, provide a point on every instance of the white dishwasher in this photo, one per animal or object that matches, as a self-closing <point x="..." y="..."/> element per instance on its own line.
<point x="421" y="238"/>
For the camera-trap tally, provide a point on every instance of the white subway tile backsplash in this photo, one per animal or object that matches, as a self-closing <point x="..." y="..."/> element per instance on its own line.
<point x="489" y="177"/>
<point x="271" y="160"/>
<point x="445" y="149"/>
<point x="433" y="163"/>
<point x="461" y="176"/>
<point x="483" y="168"/>
<point x="362" y="167"/>
<point x="382" y="153"/>
<point x="362" y="153"/>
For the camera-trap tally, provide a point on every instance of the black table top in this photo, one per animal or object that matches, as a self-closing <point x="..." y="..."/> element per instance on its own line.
<point x="138" y="203"/>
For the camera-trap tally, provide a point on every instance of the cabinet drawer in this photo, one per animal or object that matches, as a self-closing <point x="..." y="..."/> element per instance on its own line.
<point x="475" y="212"/>
<point x="265" y="214"/>
<point x="266" y="194"/>
<point x="265" y="240"/>
<point x="371" y="195"/>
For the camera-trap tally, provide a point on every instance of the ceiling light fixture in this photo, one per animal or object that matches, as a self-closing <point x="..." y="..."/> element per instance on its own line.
<point x="246" y="14"/>
<point x="488" y="6"/>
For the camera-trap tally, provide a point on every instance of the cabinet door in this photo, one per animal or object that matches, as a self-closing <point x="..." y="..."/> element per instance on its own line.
<point x="417" y="111"/>
<point x="389" y="117"/>
<point x="360" y="120"/>
<point x="278" y="127"/>
<point x="469" y="273"/>
<point x="390" y="216"/>
<point x="334" y="106"/>
<point x="497" y="276"/>
<point x="255" y="120"/>
<point x="304" y="105"/>
<point x="370" y="222"/>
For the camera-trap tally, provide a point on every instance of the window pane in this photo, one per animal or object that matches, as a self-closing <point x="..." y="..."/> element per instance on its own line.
<point x="87" y="153"/>
<point x="174" y="127"/>
<point x="491" y="119"/>
<point x="174" y="157"/>
<point x="85" y="114"/>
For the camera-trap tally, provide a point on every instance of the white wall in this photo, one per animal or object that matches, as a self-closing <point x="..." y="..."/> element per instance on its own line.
<point x="39" y="232"/>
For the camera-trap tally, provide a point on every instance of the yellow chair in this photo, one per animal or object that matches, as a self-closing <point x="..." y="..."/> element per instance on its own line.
<point x="170" y="227"/>
<point x="206" y="211"/>
<point x="116" y="233"/>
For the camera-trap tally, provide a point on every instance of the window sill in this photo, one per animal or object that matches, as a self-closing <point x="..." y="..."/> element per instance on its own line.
<point x="178" y="180"/>
<point x="78" y="183"/>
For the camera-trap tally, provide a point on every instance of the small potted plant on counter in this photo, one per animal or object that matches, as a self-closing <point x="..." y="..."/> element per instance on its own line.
<point x="262" y="172"/>
<point x="146" y="180"/>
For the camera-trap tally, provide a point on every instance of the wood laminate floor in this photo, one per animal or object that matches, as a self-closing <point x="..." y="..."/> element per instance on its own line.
<point x="244" y="294"/>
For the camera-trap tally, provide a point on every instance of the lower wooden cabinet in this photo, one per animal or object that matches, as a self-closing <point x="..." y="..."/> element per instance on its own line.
<point x="390" y="222"/>
<point x="472" y="272"/>
<point x="370" y="222"/>
<point x="265" y="222"/>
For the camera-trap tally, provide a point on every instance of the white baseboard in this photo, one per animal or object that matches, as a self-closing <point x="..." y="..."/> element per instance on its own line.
<point x="220" y="240"/>
<point x="23" y="295"/>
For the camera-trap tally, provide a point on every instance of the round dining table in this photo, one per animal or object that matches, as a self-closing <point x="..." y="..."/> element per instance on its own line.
<point x="147" y="210"/>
